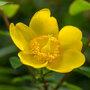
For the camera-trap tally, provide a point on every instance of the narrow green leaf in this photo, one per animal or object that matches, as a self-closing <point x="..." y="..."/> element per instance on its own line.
<point x="10" y="9"/>
<point x="84" y="70"/>
<point x="7" y="50"/>
<point x="4" y="33"/>
<point x="9" y="87"/>
<point x="21" y="79"/>
<point x="5" y="79"/>
<point x="5" y="71"/>
<point x="3" y="3"/>
<point x="79" y="6"/>
<point x="71" y="86"/>
<point x="15" y="62"/>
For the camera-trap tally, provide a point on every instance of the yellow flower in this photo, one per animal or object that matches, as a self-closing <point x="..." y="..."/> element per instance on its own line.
<point x="43" y="45"/>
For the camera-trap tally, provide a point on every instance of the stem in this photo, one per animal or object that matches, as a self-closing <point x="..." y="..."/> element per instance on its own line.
<point x="34" y="77"/>
<point x="87" y="44"/>
<point x="40" y="88"/>
<point x="46" y="84"/>
<point x="32" y="73"/>
<point x="61" y="81"/>
<point x="5" y="17"/>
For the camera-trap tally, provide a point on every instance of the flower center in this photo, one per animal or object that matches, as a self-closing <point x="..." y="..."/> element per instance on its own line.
<point x="45" y="48"/>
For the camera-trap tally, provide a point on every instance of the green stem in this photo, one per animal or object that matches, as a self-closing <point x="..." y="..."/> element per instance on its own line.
<point x="40" y="88"/>
<point x="32" y="73"/>
<point x="46" y="84"/>
<point x="5" y="17"/>
<point x="61" y="81"/>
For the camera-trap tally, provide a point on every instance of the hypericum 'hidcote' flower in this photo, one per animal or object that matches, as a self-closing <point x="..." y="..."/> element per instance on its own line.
<point x="43" y="45"/>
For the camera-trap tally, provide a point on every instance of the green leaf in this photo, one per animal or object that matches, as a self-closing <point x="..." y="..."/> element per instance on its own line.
<point x="15" y="62"/>
<point x="5" y="71"/>
<point x="10" y="9"/>
<point x="9" y="87"/>
<point x="4" y="33"/>
<point x="83" y="70"/>
<point x="5" y="79"/>
<point x="21" y="79"/>
<point x="79" y="6"/>
<point x="5" y="75"/>
<point x="71" y="86"/>
<point x="7" y="50"/>
<point x="3" y="3"/>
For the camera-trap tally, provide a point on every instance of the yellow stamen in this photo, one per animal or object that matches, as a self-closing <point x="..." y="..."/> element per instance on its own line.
<point x="45" y="48"/>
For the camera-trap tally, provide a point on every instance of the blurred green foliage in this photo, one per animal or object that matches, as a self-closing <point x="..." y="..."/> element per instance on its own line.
<point x="84" y="70"/>
<point x="10" y="9"/>
<point x="3" y="3"/>
<point x="79" y="6"/>
<point x="67" y="12"/>
<point x="15" y="62"/>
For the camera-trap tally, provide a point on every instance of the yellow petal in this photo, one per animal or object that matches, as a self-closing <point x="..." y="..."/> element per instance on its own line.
<point x="30" y="60"/>
<point x="43" y="24"/>
<point x="77" y="45"/>
<point x="70" y="36"/>
<point x="21" y="35"/>
<point x="70" y="60"/>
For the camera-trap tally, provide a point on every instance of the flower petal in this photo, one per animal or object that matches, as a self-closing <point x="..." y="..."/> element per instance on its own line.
<point x="21" y="35"/>
<point x="43" y="24"/>
<point x="30" y="60"/>
<point x="70" y="37"/>
<point x="70" y="60"/>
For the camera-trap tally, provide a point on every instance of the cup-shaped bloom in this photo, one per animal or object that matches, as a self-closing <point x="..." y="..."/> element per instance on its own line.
<point x="43" y="45"/>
